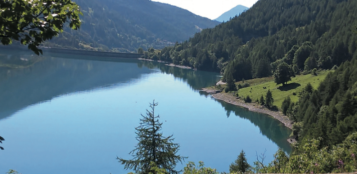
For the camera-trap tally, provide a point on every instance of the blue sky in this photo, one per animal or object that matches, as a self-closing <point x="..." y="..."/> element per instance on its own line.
<point x="211" y="9"/>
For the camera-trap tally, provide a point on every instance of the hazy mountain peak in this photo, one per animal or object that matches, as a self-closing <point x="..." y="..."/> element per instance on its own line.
<point x="236" y="11"/>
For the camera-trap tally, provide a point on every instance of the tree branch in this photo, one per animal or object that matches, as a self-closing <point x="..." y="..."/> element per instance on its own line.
<point x="262" y="157"/>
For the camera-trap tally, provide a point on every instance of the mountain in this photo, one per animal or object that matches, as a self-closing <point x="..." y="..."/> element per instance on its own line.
<point x="304" y="34"/>
<point x="126" y="25"/>
<point x="236" y="11"/>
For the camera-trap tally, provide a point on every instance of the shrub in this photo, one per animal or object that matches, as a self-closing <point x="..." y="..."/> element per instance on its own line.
<point x="314" y="72"/>
<point x="248" y="99"/>
<point x="192" y="169"/>
<point x="243" y="85"/>
<point x="306" y="72"/>
<point x="219" y="87"/>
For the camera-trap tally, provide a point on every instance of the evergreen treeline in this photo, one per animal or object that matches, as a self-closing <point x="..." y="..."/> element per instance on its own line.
<point x="305" y="34"/>
<point x="330" y="112"/>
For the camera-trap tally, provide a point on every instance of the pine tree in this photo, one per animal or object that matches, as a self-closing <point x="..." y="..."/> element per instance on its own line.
<point x="153" y="147"/>
<point x="262" y="101"/>
<point x="230" y="84"/>
<point x="269" y="99"/>
<point x="240" y="165"/>
<point x="285" y="105"/>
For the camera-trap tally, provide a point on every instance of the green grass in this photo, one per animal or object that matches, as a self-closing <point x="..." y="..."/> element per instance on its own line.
<point x="296" y="85"/>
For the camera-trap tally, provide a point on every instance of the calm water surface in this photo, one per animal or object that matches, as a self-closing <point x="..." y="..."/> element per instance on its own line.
<point x="61" y="115"/>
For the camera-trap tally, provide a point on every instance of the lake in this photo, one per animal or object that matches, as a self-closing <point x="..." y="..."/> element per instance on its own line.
<point x="61" y="114"/>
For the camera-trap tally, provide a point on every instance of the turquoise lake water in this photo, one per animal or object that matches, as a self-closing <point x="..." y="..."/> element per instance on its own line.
<point x="61" y="115"/>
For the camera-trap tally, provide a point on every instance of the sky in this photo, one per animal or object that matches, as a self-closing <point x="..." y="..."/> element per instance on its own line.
<point x="211" y="9"/>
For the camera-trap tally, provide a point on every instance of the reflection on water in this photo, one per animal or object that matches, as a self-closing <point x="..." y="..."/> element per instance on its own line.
<point x="50" y="98"/>
<point x="268" y="126"/>
<point x="24" y="83"/>
<point x="198" y="80"/>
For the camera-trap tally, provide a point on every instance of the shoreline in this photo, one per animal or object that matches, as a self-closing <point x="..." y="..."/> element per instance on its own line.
<point x="250" y="106"/>
<point x="167" y="63"/>
<point x="253" y="107"/>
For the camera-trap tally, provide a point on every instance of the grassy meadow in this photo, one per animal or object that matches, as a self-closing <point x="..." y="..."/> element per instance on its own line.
<point x="260" y="86"/>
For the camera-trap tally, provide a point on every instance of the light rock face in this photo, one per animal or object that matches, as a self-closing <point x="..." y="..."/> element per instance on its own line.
<point x="220" y="83"/>
<point x="211" y="91"/>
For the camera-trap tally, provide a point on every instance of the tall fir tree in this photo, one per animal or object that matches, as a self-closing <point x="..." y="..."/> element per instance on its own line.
<point x="269" y="100"/>
<point x="240" y="165"/>
<point x="285" y="105"/>
<point x="262" y="101"/>
<point x="230" y="84"/>
<point x="153" y="149"/>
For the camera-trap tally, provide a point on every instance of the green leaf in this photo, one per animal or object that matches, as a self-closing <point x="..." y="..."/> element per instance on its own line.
<point x="49" y="17"/>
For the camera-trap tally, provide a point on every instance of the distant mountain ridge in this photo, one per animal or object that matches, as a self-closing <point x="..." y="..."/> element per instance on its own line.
<point x="126" y="25"/>
<point x="236" y="11"/>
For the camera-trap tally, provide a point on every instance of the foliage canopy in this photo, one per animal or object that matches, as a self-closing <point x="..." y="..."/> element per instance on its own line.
<point x="283" y="74"/>
<point x="33" y="22"/>
<point x="309" y="158"/>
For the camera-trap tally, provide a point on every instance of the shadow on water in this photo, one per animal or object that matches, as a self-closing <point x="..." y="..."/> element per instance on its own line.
<point x="195" y="79"/>
<point x="27" y="79"/>
<point x="269" y="127"/>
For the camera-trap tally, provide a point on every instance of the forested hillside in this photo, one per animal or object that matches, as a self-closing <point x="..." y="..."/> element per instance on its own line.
<point x="305" y="34"/>
<point x="325" y="125"/>
<point x="330" y="112"/>
<point x="126" y="25"/>
<point x="300" y="35"/>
